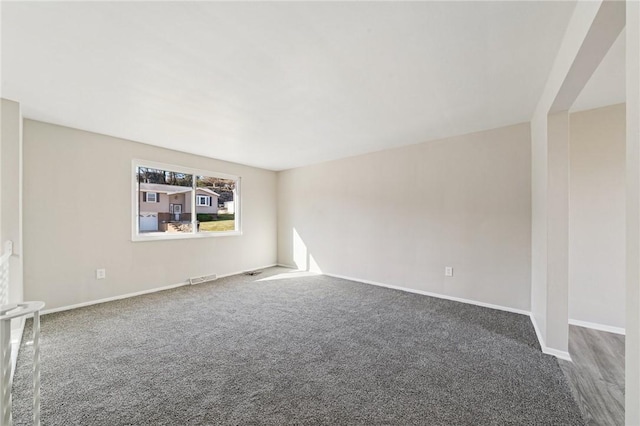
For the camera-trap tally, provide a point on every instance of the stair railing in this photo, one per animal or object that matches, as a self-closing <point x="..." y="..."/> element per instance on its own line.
<point x="7" y="313"/>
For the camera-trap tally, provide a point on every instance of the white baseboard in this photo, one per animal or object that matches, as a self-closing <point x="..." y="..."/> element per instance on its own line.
<point x="242" y="272"/>
<point x="550" y="351"/>
<point x="596" y="326"/>
<point x="543" y="346"/>
<point x="538" y="332"/>
<point x="545" y="349"/>
<point x="436" y="295"/>
<point x="284" y="265"/>
<point x="137" y="293"/>
<point x="558" y="354"/>
<point x="111" y="299"/>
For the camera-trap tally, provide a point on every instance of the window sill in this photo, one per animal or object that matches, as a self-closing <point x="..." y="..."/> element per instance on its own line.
<point x="162" y="236"/>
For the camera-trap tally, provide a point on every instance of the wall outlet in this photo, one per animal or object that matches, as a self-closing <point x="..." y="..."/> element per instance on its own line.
<point x="101" y="274"/>
<point x="448" y="271"/>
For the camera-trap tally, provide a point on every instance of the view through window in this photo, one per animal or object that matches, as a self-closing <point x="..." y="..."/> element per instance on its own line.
<point x="171" y="201"/>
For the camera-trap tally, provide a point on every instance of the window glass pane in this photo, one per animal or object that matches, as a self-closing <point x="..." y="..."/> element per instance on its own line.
<point x="217" y="212"/>
<point x="171" y="211"/>
<point x="202" y="200"/>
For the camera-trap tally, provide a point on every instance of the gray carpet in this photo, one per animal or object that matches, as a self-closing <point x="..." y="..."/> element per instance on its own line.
<point x="311" y="350"/>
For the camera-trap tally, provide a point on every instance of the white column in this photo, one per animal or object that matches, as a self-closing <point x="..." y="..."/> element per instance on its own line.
<point x="558" y="233"/>
<point x="632" y="366"/>
<point x="593" y="28"/>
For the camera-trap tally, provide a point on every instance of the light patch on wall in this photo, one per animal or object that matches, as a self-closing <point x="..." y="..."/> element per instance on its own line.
<point x="303" y="260"/>
<point x="299" y="251"/>
<point x="313" y="265"/>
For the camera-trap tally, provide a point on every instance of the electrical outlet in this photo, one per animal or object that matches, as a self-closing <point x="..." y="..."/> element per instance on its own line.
<point x="448" y="271"/>
<point x="101" y="274"/>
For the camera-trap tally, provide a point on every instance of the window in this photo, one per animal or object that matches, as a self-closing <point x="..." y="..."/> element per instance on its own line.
<point x="203" y="200"/>
<point x="216" y="191"/>
<point x="178" y="202"/>
<point x="151" y="197"/>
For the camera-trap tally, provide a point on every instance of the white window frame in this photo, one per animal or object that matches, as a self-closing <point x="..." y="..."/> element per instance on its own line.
<point x="159" y="236"/>
<point x="146" y="197"/>
<point x="207" y="199"/>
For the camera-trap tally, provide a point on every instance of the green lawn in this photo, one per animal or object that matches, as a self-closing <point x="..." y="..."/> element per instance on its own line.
<point x="224" y="222"/>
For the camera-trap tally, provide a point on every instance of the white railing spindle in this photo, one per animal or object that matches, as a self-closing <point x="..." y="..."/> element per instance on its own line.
<point x="4" y="273"/>
<point x="7" y="313"/>
<point x="5" y="375"/>
<point x="5" y="339"/>
<point x="36" y="368"/>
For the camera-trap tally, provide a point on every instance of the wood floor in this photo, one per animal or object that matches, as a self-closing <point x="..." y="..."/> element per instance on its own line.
<point x="596" y="375"/>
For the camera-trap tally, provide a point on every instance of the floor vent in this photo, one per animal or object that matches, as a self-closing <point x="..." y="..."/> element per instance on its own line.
<point x="252" y="273"/>
<point x="202" y="279"/>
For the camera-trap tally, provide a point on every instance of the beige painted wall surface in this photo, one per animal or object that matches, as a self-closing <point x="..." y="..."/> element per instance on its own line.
<point x="11" y="197"/>
<point x="400" y="216"/>
<point x="597" y="216"/>
<point x="11" y="222"/>
<point x="67" y="238"/>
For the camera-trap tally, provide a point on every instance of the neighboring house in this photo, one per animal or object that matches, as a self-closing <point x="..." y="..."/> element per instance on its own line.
<point x="161" y="204"/>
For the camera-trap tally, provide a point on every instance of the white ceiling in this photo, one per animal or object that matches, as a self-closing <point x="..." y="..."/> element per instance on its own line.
<point x="280" y="85"/>
<point x="607" y="84"/>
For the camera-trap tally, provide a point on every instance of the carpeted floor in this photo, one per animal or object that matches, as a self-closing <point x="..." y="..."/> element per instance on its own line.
<point x="278" y="348"/>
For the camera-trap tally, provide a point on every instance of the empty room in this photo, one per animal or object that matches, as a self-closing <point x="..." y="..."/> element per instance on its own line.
<point x="336" y="213"/>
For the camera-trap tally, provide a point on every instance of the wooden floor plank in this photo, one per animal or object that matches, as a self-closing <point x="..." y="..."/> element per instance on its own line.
<point x="596" y="375"/>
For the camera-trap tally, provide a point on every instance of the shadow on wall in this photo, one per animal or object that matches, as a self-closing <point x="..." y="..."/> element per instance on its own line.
<point x="303" y="260"/>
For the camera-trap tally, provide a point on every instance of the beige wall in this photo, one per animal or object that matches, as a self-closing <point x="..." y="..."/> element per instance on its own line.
<point x="400" y="216"/>
<point x="597" y="216"/>
<point x="67" y="238"/>
<point x="11" y="196"/>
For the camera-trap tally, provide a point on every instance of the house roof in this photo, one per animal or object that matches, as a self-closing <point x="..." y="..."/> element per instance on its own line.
<point x="171" y="189"/>
<point x="207" y="190"/>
